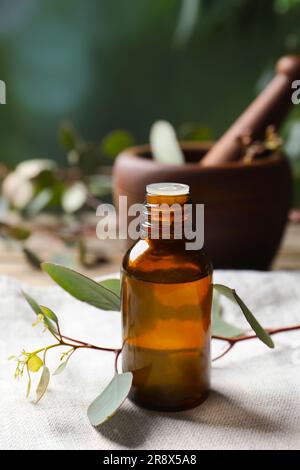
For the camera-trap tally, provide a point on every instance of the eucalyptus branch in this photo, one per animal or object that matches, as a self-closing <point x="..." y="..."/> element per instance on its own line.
<point x="32" y="360"/>
<point x="83" y="344"/>
<point x="106" y="295"/>
<point x="229" y="347"/>
<point x="233" y="341"/>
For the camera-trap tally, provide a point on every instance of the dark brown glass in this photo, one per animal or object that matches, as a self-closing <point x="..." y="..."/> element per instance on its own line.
<point x="166" y="309"/>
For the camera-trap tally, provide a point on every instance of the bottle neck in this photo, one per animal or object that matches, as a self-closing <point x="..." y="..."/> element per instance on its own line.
<point x="167" y="217"/>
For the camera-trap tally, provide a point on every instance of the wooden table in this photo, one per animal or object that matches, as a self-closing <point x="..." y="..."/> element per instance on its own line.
<point x="13" y="263"/>
<point x="288" y="256"/>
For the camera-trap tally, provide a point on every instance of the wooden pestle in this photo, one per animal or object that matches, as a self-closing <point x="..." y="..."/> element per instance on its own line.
<point x="270" y="107"/>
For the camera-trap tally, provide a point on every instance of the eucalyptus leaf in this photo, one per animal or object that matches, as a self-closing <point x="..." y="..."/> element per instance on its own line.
<point x="39" y="202"/>
<point x="74" y="197"/>
<point x="33" y="303"/>
<point x="110" y="400"/>
<point x="164" y="145"/>
<point x="67" y="135"/>
<point x="49" y="313"/>
<point x="29" y="169"/>
<point x="189" y="14"/>
<point x="18" y="232"/>
<point x="219" y="326"/>
<point x="43" y="384"/>
<point x="112" y="284"/>
<point x="115" y="142"/>
<point x="257" y="328"/>
<point x="195" y="131"/>
<point x="17" y="189"/>
<point x="38" y="311"/>
<point x="32" y="258"/>
<point x="83" y="288"/>
<point x="100" y="185"/>
<point x="60" y="368"/>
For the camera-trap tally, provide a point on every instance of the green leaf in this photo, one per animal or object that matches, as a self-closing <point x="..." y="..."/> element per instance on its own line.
<point x="67" y="135"/>
<point x="83" y="288"/>
<point x="43" y="384"/>
<point x="283" y="6"/>
<point x="195" y="131"/>
<point x="38" y="311"/>
<point x="188" y="17"/>
<point x="61" y="367"/>
<point x="115" y="142"/>
<point x="110" y="400"/>
<point x="18" y="232"/>
<point x="30" y="169"/>
<point x="164" y="145"/>
<point x="100" y="185"/>
<point x="39" y="202"/>
<point x="257" y="328"/>
<point x="32" y="258"/>
<point x="33" y="303"/>
<point x="74" y="197"/>
<point x="49" y="313"/>
<point x="112" y="284"/>
<point x="219" y="326"/>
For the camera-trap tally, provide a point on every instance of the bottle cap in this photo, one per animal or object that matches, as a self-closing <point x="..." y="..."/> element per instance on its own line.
<point x="167" y="189"/>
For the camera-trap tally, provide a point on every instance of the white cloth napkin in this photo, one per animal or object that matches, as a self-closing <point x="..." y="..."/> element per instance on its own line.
<point x="255" y="397"/>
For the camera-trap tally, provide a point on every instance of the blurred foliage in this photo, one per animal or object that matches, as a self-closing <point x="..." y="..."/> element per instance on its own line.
<point x="115" y="142"/>
<point x="195" y="131"/>
<point x="110" y="66"/>
<point x="41" y="185"/>
<point x="283" y="6"/>
<point x="107" y="66"/>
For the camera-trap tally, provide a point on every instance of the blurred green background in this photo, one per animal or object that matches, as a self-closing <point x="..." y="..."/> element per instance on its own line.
<point x="115" y="64"/>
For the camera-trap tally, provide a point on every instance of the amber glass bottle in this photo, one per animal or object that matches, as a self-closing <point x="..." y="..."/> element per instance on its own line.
<point x="166" y="309"/>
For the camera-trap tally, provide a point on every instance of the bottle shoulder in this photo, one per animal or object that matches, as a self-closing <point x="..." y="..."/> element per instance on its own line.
<point x="165" y="262"/>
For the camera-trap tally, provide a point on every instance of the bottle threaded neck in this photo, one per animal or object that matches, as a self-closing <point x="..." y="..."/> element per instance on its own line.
<point x="167" y="212"/>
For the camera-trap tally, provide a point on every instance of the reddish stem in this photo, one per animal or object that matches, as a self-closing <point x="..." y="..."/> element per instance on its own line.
<point x="117" y="354"/>
<point x="91" y="346"/>
<point x="271" y="331"/>
<point x="233" y="341"/>
<point x="230" y="346"/>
